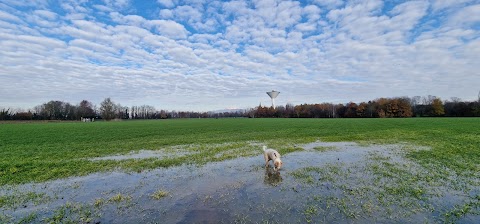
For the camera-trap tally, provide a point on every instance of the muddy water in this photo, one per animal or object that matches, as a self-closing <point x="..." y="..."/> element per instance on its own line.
<point x="240" y="190"/>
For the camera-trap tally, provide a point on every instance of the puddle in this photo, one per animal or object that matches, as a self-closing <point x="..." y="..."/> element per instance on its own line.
<point x="329" y="186"/>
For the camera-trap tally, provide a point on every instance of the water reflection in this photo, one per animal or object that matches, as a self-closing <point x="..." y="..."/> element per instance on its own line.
<point x="272" y="176"/>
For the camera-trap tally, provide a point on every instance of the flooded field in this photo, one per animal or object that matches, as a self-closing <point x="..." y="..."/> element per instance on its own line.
<point x="323" y="183"/>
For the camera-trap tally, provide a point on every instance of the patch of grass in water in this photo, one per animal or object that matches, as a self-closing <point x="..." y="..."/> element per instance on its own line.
<point x="458" y="211"/>
<point x="19" y="199"/>
<point x="159" y="194"/>
<point x="99" y="202"/>
<point x="385" y="185"/>
<point x="120" y="198"/>
<point x="303" y="176"/>
<point x="30" y="218"/>
<point x="325" y="148"/>
<point x="314" y="174"/>
<point x="5" y="218"/>
<point x="309" y="212"/>
<point x="72" y="213"/>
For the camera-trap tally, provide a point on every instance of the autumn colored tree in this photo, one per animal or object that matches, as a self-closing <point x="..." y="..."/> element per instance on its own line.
<point x="404" y="107"/>
<point x="351" y="110"/>
<point x="303" y="110"/>
<point x="362" y="110"/>
<point x="437" y="107"/>
<point x="381" y="107"/>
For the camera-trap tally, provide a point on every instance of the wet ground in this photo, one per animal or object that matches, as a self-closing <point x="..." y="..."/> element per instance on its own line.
<point x="324" y="183"/>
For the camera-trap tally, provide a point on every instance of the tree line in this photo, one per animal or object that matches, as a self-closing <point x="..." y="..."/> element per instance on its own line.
<point x="429" y="106"/>
<point x="108" y="110"/>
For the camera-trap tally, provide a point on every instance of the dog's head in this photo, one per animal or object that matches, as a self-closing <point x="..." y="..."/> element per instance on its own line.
<point x="278" y="164"/>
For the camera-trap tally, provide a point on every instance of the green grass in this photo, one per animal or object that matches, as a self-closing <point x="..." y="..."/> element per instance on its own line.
<point x="44" y="151"/>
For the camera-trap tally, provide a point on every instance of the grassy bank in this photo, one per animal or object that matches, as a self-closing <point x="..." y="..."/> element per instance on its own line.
<point x="44" y="151"/>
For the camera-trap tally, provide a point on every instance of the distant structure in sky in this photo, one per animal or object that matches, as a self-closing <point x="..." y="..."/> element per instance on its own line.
<point x="273" y="94"/>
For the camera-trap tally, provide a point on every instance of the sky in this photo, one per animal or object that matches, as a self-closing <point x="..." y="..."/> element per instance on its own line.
<point x="203" y="55"/>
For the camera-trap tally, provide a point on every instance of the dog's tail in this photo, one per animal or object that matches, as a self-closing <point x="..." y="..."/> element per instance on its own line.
<point x="264" y="148"/>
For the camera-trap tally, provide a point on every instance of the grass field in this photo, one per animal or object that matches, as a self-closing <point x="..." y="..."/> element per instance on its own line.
<point x="36" y="152"/>
<point x="399" y="170"/>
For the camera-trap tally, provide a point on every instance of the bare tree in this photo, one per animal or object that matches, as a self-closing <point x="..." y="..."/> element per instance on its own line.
<point x="85" y="109"/>
<point x="476" y="109"/>
<point x="5" y="114"/>
<point x="107" y="109"/>
<point x="428" y="100"/>
<point x="133" y="112"/>
<point x="121" y="112"/>
<point x="54" y="110"/>
<point x="455" y="99"/>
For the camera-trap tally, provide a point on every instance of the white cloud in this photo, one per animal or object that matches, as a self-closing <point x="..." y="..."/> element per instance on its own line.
<point x="46" y="42"/>
<point x="188" y="13"/>
<point x="195" y="16"/>
<point x="91" y="46"/>
<point x="407" y="15"/>
<point x="306" y="27"/>
<point x="236" y="34"/>
<point x="329" y="4"/>
<point x="37" y="3"/>
<point x="354" y="10"/>
<point x="46" y="14"/>
<point x="235" y="7"/>
<point x="466" y="16"/>
<point x="166" y="3"/>
<point x="312" y="12"/>
<point x="445" y="4"/>
<point x="134" y="20"/>
<point x="103" y="8"/>
<point x="288" y="14"/>
<point x="166" y="13"/>
<point x="117" y="3"/>
<point x="169" y="28"/>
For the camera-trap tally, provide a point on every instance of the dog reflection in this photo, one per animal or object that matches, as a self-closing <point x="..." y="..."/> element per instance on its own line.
<point x="272" y="176"/>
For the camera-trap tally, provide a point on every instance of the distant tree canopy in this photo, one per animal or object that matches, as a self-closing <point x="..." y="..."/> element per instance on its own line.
<point x="428" y="106"/>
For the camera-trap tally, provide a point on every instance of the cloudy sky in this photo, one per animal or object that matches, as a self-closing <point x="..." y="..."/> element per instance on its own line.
<point x="201" y="55"/>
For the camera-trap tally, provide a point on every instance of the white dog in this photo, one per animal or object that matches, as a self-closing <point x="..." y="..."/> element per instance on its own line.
<point x="272" y="154"/>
